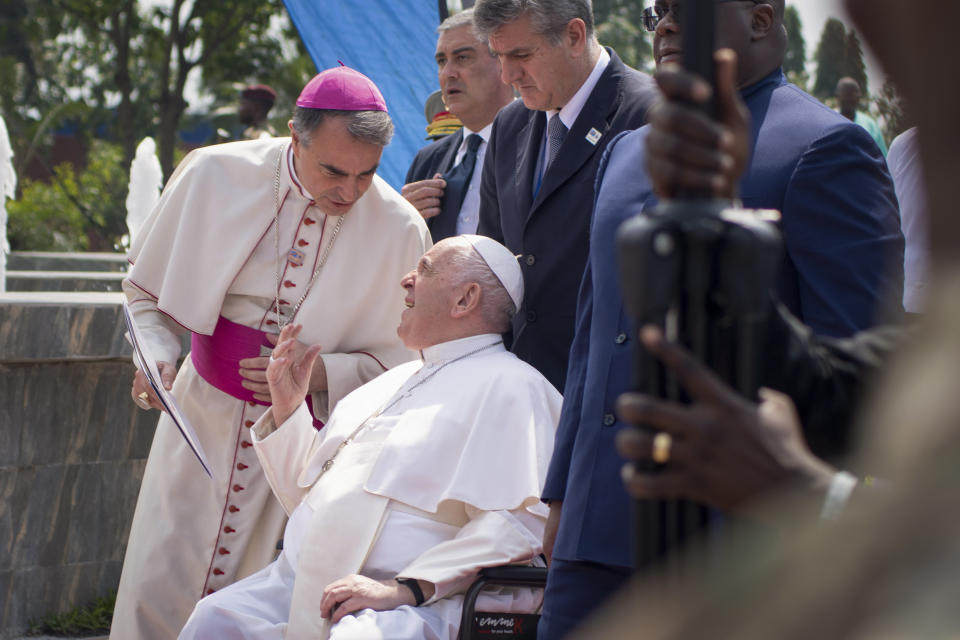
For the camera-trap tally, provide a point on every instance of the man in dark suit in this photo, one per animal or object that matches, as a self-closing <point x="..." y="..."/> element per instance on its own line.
<point x="443" y="182"/>
<point x="843" y="255"/>
<point x="537" y="191"/>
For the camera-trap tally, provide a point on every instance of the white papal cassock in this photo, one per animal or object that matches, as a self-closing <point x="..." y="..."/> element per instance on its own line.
<point x="444" y="482"/>
<point x="210" y="252"/>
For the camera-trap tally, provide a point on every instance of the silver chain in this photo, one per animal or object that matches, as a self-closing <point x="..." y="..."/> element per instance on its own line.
<point x="281" y="322"/>
<point x="397" y="397"/>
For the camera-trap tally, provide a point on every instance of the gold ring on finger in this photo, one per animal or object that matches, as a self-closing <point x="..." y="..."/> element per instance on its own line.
<point x="661" y="447"/>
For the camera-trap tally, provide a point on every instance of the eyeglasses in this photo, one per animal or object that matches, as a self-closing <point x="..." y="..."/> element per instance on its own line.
<point x="652" y="16"/>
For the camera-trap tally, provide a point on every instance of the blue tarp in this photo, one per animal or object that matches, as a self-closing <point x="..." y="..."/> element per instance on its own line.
<point x="390" y="41"/>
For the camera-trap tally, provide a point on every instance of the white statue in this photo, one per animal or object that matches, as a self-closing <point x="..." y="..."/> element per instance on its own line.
<point x="146" y="181"/>
<point x="8" y="189"/>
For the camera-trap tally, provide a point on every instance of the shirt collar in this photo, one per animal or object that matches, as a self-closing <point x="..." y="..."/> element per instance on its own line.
<point x="451" y="349"/>
<point x="571" y="110"/>
<point x="483" y="133"/>
<point x="773" y="79"/>
<point x="292" y="172"/>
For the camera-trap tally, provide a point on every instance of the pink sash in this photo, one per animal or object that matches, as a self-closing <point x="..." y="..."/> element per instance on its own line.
<point x="216" y="358"/>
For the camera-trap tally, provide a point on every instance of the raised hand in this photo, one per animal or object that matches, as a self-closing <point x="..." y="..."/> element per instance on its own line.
<point x="288" y="373"/>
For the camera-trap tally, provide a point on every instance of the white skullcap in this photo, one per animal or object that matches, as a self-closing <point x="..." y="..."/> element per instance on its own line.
<point x="503" y="264"/>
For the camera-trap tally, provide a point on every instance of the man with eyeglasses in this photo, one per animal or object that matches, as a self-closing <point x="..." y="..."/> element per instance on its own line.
<point x="843" y="255"/>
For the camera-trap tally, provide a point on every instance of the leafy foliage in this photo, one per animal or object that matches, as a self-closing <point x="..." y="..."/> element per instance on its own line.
<point x="618" y="25"/>
<point x="855" y="67"/>
<point x="118" y="70"/>
<point x="839" y="55"/>
<point x="893" y="114"/>
<point x="78" y="210"/>
<point x="795" y="59"/>
<point x="78" y="621"/>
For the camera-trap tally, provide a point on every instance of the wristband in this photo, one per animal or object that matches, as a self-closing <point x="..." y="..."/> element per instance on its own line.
<point x="414" y="586"/>
<point x="841" y="486"/>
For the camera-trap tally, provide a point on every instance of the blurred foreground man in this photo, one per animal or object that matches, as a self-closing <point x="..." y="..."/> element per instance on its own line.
<point x="247" y="238"/>
<point x="893" y="556"/>
<point x="423" y="476"/>
<point x="843" y="256"/>
<point x="443" y="182"/>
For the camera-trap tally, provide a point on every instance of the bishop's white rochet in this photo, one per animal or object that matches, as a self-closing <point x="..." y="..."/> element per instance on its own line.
<point x="146" y="181"/>
<point x="8" y="187"/>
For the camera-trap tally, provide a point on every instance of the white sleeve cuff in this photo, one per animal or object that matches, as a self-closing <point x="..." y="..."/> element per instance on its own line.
<point x="838" y="494"/>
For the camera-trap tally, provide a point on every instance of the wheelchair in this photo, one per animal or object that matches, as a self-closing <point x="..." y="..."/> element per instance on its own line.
<point x="483" y="625"/>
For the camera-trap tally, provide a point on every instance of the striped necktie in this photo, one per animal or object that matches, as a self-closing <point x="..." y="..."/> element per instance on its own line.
<point x="556" y="132"/>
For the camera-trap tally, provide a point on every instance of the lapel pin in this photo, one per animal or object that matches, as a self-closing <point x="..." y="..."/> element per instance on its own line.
<point x="593" y="136"/>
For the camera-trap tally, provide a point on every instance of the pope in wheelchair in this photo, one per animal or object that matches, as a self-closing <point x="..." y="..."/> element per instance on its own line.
<point x="422" y="477"/>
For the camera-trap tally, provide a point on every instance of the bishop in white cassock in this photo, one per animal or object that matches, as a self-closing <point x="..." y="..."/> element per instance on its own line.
<point x="246" y="237"/>
<point x="422" y="477"/>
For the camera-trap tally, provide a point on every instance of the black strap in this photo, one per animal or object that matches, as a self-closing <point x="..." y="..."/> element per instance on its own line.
<point x="414" y="586"/>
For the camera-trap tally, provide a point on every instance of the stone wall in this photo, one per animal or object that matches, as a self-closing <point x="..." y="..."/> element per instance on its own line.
<point x="72" y="452"/>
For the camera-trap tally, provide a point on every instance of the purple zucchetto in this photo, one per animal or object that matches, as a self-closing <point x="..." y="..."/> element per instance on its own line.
<point x="343" y="89"/>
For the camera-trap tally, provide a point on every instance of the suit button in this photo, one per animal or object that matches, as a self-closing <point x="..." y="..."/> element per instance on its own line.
<point x="531" y="260"/>
<point x="531" y="316"/>
<point x="621" y="338"/>
<point x="609" y="419"/>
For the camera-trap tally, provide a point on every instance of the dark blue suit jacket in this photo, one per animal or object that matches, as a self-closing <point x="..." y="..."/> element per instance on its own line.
<point x="551" y="230"/>
<point x="844" y="253"/>
<point x="437" y="157"/>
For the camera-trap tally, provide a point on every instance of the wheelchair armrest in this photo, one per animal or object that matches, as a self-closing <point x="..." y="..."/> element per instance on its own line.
<point x="513" y="574"/>
<point x="504" y="576"/>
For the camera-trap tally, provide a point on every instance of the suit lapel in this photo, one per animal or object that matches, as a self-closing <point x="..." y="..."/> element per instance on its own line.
<point x="451" y="153"/>
<point x="577" y="148"/>
<point x="528" y="146"/>
<point x="444" y="224"/>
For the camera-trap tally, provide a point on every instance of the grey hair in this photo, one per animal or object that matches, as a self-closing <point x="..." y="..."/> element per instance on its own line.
<point x="548" y="18"/>
<point x="460" y="19"/>
<point x="467" y="265"/>
<point x="372" y="127"/>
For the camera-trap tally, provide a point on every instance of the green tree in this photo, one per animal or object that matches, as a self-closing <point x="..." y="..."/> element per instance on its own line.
<point x="78" y="210"/>
<point x="830" y="58"/>
<point x="795" y="59"/>
<point x="839" y="55"/>
<point x="893" y="113"/>
<point x="119" y="69"/>
<point x="854" y="66"/>
<point x="618" y="25"/>
<point x="209" y="35"/>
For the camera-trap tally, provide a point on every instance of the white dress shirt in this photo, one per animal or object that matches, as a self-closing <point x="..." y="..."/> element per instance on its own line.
<point x="571" y="111"/>
<point x="904" y="163"/>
